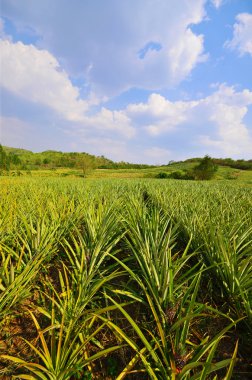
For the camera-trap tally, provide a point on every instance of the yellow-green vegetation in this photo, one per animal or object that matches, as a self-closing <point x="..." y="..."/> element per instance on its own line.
<point x="20" y="162"/>
<point x="119" y="279"/>
<point x="236" y="176"/>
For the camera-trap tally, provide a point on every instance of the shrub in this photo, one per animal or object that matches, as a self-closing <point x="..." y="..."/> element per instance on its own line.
<point x="205" y="170"/>
<point x="162" y="175"/>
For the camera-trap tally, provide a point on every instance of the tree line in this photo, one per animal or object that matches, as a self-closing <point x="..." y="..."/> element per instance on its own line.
<point x="20" y="159"/>
<point x="204" y="170"/>
<point x="8" y="161"/>
<point x="235" y="164"/>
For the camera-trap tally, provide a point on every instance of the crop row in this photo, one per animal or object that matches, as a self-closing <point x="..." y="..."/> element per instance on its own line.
<point x="124" y="279"/>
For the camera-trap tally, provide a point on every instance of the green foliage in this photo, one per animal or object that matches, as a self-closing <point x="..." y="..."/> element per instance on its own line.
<point x="236" y="164"/>
<point x="83" y="165"/>
<point x="86" y="164"/>
<point x="181" y="175"/>
<point x="147" y="279"/>
<point x="175" y="175"/>
<point x="54" y="159"/>
<point x="162" y="175"/>
<point x="4" y="160"/>
<point x="8" y="160"/>
<point x="205" y="170"/>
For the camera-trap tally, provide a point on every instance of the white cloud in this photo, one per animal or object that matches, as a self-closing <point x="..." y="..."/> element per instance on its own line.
<point x="109" y="48"/>
<point x="35" y="75"/>
<point x="233" y="137"/>
<point x="159" y="115"/>
<point x="214" y="124"/>
<point x="215" y="121"/>
<point x="242" y="34"/>
<point x="184" y="55"/>
<point x="101" y="42"/>
<point x="163" y="129"/>
<point x="108" y="121"/>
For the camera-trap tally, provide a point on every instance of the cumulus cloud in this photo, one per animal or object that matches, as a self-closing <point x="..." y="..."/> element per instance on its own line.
<point x="158" y="114"/>
<point x="185" y="54"/>
<point x="86" y="54"/>
<point x="152" y="132"/>
<point x="102" y="43"/>
<point x="215" y="121"/>
<point x="35" y="75"/>
<point x="242" y="34"/>
<point x="213" y="124"/>
<point x="108" y="121"/>
<point x="233" y="137"/>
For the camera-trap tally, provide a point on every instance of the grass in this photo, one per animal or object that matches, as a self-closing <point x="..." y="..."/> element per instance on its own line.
<point x="238" y="177"/>
<point x="125" y="279"/>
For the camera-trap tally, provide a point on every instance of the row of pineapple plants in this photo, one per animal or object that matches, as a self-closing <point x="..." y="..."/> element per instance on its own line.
<point x="135" y="280"/>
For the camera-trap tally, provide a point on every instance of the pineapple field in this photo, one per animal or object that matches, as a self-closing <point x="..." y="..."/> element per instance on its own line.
<point x="125" y="279"/>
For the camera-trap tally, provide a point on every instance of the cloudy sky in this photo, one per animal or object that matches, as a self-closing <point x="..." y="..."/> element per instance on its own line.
<point x="136" y="80"/>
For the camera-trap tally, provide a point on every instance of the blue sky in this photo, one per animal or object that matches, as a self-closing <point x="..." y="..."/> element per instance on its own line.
<point x="136" y="80"/>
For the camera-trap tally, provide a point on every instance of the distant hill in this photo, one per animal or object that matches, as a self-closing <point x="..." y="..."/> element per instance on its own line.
<point x="23" y="159"/>
<point x="17" y="151"/>
<point x="53" y="159"/>
<point x="29" y="160"/>
<point x="236" y="164"/>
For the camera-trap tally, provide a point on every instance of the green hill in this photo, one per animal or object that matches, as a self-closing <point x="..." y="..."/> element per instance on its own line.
<point x="51" y="159"/>
<point x="54" y="159"/>
<point x="59" y="163"/>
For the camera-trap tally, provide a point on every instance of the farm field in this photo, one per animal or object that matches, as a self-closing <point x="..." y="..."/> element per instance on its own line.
<point x="236" y="176"/>
<point x="125" y="279"/>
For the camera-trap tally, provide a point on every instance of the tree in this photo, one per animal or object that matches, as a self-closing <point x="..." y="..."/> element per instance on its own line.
<point x="206" y="169"/>
<point x="15" y="160"/>
<point x="86" y="164"/>
<point x="4" y="159"/>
